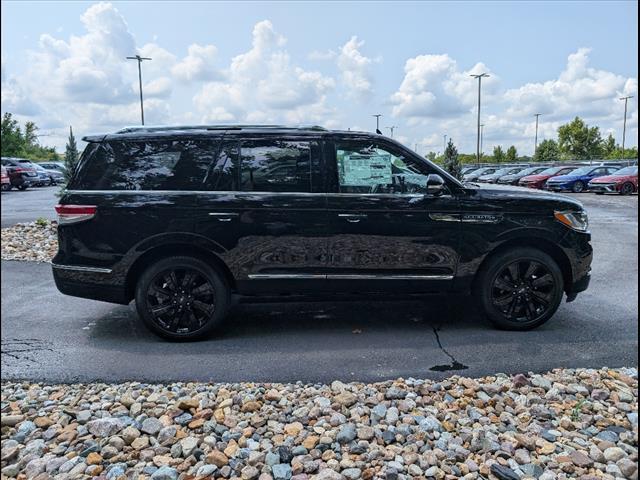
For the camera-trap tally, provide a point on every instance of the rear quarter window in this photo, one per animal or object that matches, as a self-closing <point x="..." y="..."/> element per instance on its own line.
<point x="146" y="165"/>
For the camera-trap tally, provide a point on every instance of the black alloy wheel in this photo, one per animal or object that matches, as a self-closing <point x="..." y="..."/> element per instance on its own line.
<point x="627" y="189"/>
<point x="578" y="187"/>
<point x="181" y="298"/>
<point x="523" y="291"/>
<point x="519" y="289"/>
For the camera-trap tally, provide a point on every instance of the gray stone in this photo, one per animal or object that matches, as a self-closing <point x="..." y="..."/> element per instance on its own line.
<point x="347" y="433"/>
<point x="613" y="454"/>
<point x="351" y="473"/>
<point x="430" y="424"/>
<point x="281" y="471"/>
<point x="83" y="416"/>
<point x="165" y="473"/>
<point x="504" y="473"/>
<point x="151" y="425"/>
<point x="104" y="427"/>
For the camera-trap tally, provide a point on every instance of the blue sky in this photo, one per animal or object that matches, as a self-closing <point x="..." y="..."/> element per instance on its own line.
<point x="328" y="63"/>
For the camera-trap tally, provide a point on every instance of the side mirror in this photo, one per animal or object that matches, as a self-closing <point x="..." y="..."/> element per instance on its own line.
<point x="435" y="184"/>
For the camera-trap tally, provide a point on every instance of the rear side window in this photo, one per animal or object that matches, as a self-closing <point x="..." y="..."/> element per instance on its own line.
<point x="277" y="165"/>
<point x="147" y="165"/>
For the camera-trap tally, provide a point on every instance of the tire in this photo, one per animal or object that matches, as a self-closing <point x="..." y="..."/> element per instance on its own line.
<point x="627" y="189"/>
<point x="207" y="288"/>
<point x="599" y="193"/>
<point x="22" y="187"/>
<point x="498" y="293"/>
<point x="578" y="187"/>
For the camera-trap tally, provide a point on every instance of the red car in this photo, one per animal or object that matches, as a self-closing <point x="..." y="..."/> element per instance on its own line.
<point x="624" y="182"/>
<point x="539" y="180"/>
<point x="6" y="183"/>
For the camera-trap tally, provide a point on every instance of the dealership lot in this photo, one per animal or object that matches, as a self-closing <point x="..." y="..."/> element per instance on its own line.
<point x="46" y="335"/>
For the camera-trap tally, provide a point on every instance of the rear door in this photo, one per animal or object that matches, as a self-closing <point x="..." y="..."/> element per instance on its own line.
<point x="386" y="232"/>
<point x="264" y="206"/>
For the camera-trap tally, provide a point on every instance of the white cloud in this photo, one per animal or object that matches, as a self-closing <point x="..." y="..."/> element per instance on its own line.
<point x="318" y="55"/>
<point x="199" y="64"/>
<point x="356" y="70"/>
<point x="264" y="85"/>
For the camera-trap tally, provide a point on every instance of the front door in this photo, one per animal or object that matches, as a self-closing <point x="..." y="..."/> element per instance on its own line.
<point x="385" y="231"/>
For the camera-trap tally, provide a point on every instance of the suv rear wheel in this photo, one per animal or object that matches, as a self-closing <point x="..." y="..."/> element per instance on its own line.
<point x="520" y="289"/>
<point x="181" y="298"/>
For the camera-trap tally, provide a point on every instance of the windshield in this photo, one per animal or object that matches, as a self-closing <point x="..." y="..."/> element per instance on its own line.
<point x="483" y="171"/>
<point x="551" y="171"/>
<point x="582" y="171"/>
<point x="502" y="171"/>
<point x="531" y="170"/>
<point x="627" y="171"/>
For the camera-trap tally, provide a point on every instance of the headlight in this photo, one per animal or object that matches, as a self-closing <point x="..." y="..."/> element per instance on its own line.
<point x="576" y="220"/>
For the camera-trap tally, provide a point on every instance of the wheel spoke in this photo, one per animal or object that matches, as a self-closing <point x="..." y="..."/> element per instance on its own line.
<point x="546" y="279"/>
<point x="502" y="301"/>
<point x="202" y="290"/>
<point x="514" y="271"/>
<point x="158" y="292"/>
<point x="502" y="284"/>
<point x="530" y="310"/>
<point x="188" y="279"/>
<point x="531" y="269"/>
<point x="512" y="307"/>
<point x="541" y="298"/>
<point x="161" y="309"/>
<point x="203" y="307"/>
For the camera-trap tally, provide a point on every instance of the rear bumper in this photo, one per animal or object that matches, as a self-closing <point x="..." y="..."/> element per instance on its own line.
<point x="89" y="282"/>
<point x="603" y="187"/>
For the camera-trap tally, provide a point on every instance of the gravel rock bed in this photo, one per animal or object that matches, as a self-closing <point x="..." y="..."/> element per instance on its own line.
<point x="34" y="241"/>
<point x="563" y="424"/>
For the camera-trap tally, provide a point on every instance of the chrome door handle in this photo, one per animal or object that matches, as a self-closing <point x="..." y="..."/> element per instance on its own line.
<point x="223" y="217"/>
<point x="352" y="217"/>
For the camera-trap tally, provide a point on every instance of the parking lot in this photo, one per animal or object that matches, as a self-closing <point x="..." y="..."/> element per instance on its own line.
<point x="46" y="335"/>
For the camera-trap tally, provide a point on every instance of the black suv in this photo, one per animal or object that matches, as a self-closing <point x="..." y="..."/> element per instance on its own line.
<point x="183" y="219"/>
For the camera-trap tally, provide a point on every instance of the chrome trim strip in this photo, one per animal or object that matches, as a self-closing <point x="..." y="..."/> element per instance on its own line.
<point x="221" y="214"/>
<point x="235" y="192"/>
<point x="281" y="276"/>
<point x="78" y="268"/>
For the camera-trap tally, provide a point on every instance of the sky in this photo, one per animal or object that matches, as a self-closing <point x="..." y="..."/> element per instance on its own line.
<point x="333" y="64"/>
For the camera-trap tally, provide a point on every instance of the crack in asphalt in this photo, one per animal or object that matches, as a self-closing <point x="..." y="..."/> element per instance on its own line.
<point x="455" y="364"/>
<point x="19" y="349"/>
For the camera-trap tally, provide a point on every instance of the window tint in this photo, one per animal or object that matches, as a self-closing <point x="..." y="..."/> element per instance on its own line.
<point x="223" y="171"/>
<point x="364" y="167"/>
<point x="147" y="165"/>
<point x="276" y="165"/>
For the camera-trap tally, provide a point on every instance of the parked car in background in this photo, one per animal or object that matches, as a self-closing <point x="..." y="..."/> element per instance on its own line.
<point x="473" y="176"/>
<point x="469" y="169"/>
<point x="540" y="179"/>
<point x="49" y="177"/>
<point x="623" y="181"/>
<point x="513" y="178"/>
<point x="493" y="177"/>
<point x="22" y="173"/>
<point x="59" y="166"/>
<point x="184" y="219"/>
<point x="6" y="183"/>
<point x="577" y="180"/>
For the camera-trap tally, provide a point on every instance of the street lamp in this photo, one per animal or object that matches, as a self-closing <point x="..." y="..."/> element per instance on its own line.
<point x="377" y="115"/>
<point x="391" y="129"/>
<point x="481" y="137"/>
<point x="479" y="77"/>
<point x="624" y="128"/>
<point x="139" y="60"/>
<point x="535" y="149"/>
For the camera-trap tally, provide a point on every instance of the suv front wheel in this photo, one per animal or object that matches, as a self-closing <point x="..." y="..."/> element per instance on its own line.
<point x="520" y="289"/>
<point x="181" y="298"/>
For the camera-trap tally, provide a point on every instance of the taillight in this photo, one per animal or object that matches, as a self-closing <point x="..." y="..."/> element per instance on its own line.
<point x="75" y="213"/>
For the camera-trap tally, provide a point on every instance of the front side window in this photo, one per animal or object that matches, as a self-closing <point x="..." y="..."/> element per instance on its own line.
<point x="276" y="165"/>
<point x="365" y="167"/>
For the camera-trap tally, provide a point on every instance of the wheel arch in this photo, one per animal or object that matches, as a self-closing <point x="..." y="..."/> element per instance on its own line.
<point x="538" y="243"/>
<point x="174" y="249"/>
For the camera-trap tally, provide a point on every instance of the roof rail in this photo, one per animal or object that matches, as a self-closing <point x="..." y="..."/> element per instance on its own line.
<point x="165" y="128"/>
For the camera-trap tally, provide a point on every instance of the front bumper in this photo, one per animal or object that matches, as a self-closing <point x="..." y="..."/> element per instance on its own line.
<point x="558" y="187"/>
<point x="603" y="187"/>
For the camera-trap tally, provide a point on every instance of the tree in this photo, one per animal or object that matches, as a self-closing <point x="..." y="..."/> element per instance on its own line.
<point x="451" y="162"/>
<point x="609" y="146"/>
<point x="431" y="156"/>
<point x="547" y="151"/>
<point x="498" y="154"/>
<point x="11" y="139"/>
<point x="71" y="157"/>
<point x="578" y="141"/>
<point x="512" y="154"/>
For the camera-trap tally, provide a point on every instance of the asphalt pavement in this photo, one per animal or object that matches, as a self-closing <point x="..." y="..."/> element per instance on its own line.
<point x="26" y="206"/>
<point x="50" y="337"/>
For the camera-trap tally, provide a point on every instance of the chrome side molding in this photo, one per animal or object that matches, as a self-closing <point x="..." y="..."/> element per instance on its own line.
<point x="304" y="276"/>
<point x="78" y="268"/>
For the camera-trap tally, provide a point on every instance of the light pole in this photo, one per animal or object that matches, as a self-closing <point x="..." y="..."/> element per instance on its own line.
<point x="139" y="60"/>
<point x="535" y="149"/>
<point x="624" y="128"/>
<point x="479" y="77"/>
<point x="377" y="115"/>
<point x="391" y="129"/>
<point x="481" y="137"/>
<point x="444" y="144"/>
